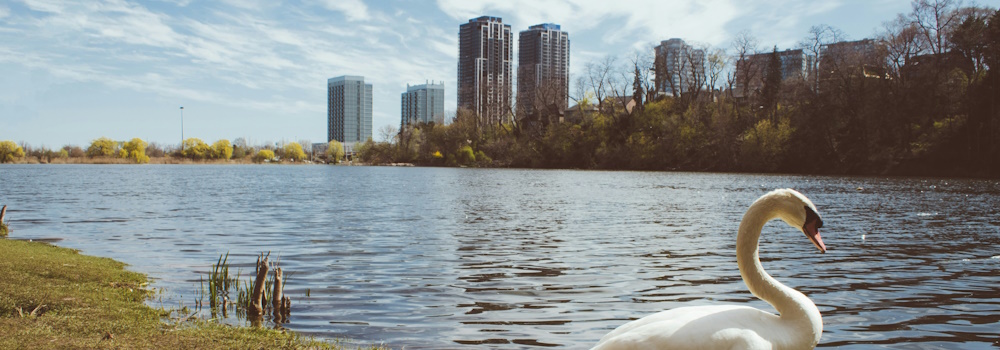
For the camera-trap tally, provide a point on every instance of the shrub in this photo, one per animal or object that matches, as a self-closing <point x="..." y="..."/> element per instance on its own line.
<point x="465" y="156"/>
<point x="196" y="149"/>
<point x="335" y="151"/>
<point x="293" y="151"/>
<point x="10" y="151"/>
<point x="222" y="150"/>
<point x="102" y="147"/>
<point x="264" y="155"/>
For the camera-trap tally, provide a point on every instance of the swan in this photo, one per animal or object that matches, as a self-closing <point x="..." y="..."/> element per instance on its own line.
<point x="799" y="325"/>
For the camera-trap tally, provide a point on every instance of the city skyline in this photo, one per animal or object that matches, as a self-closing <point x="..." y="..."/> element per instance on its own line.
<point x="76" y="72"/>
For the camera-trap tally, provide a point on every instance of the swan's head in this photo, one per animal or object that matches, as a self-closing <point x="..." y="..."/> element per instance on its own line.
<point x="799" y="212"/>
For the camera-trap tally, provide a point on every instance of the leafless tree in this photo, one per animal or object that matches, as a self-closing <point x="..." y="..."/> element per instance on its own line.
<point x="716" y="61"/>
<point x="744" y="46"/>
<point x="901" y="40"/>
<point x="597" y="76"/>
<point x="819" y="36"/>
<point x="936" y="18"/>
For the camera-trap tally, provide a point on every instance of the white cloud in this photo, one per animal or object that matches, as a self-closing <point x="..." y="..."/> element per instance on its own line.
<point x="643" y="20"/>
<point x="4" y="11"/>
<point x="354" y="10"/>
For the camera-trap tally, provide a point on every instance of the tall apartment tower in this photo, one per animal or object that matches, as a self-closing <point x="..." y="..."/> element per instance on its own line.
<point x="678" y="66"/>
<point x="423" y="104"/>
<point x="542" y="70"/>
<point x="349" y="110"/>
<point x="485" y="52"/>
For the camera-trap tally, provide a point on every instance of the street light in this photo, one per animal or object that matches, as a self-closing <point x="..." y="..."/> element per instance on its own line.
<point x="182" y="128"/>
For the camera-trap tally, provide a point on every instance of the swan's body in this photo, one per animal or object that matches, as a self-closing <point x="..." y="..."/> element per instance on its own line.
<point x="799" y="325"/>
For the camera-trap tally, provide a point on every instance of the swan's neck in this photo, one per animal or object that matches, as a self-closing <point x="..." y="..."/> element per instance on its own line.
<point x="790" y="304"/>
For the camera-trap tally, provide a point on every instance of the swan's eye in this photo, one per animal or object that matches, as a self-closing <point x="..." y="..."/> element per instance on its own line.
<point x="812" y="216"/>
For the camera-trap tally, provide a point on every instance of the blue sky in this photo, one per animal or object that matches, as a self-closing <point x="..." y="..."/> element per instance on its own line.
<point x="73" y="71"/>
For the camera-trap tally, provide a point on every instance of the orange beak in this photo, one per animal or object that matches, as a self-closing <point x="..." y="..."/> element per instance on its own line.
<point x="812" y="232"/>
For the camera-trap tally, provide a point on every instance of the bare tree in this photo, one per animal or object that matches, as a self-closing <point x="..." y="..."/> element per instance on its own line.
<point x="901" y="40"/>
<point x="716" y="61"/>
<point x="598" y="75"/>
<point x="936" y="18"/>
<point x="819" y="36"/>
<point x="744" y="46"/>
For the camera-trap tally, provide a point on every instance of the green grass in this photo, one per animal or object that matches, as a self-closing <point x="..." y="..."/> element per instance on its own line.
<point x="53" y="297"/>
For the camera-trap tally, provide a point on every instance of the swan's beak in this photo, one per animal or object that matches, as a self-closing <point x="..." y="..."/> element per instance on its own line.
<point x="812" y="232"/>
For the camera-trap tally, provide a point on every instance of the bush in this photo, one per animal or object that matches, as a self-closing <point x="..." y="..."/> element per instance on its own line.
<point x="136" y="151"/>
<point x="465" y="156"/>
<point x="293" y="151"/>
<point x="102" y="147"/>
<point x="264" y="155"/>
<point x="222" y="150"/>
<point x="10" y="151"/>
<point x="196" y="149"/>
<point x="335" y="151"/>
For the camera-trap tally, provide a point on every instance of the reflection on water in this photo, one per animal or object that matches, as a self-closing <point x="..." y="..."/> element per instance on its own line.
<point x="453" y="258"/>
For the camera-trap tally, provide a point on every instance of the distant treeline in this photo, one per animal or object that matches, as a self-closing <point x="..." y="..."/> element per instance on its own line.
<point x="921" y="98"/>
<point x="106" y="150"/>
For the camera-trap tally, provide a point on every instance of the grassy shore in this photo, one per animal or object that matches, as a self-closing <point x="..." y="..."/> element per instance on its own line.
<point x="53" y="297"/>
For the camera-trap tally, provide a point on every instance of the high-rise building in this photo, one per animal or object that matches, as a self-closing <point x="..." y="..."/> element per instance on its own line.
<point x="349" y="110"/>
<point x="542" y="70"/>
<point x="485" y="52"/>
<point x="679" y="67"/>
<point x="751" y="71"/>
<point x="423" y="104"/>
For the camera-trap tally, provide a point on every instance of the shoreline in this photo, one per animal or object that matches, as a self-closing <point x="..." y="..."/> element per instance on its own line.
<point x="52" y="296"/>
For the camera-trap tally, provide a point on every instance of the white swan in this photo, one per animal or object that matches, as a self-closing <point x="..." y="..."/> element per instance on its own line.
<point x="799" y="325"/>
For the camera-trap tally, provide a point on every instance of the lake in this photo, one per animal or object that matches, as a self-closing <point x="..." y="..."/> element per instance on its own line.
<point x="496" y="258"/>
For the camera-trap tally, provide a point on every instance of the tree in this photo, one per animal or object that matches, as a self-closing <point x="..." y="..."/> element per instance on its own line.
<point x="465" y="156"/>
<point x="10" y="152"/>
<point x="334" y="151"/>
<point x="135" y="149"/>
<point x="102" y="147"/>
<point x="264" y="155"/>
<point x="772" y="84"/>
<point x="936" y="19"/>
<point x="293" y="151"/>
<point x="195" y="148"/>
<point x="222" y="150"/>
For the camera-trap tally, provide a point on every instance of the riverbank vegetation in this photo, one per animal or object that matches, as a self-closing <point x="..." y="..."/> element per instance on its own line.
<point x="920" y="98"/>
<point x="104" y="150"/>
<point x="53" y="297"/>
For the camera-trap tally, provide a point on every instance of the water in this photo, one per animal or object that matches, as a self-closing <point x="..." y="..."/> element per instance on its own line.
<point x="460" y="258"/>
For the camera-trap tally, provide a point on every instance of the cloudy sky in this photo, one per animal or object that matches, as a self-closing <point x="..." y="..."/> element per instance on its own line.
<point x="73" y="71"/>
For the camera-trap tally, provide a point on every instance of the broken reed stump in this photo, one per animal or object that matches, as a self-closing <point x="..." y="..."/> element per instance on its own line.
<point x="4" y="230"/>
<point x="256" y="304"/>
<point x="276" y="302"/>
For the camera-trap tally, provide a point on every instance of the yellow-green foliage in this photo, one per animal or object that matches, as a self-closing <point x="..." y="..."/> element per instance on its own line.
<point x="102" y="147"/>
<point x="765" y="144"/>
<point x="136" y="150"/>
<point x="264" y="155"/>
<point x="222" y="149"/>
<point x="195" y="148"/>
<point x="56" y="298"/>
<point x="335" y="151"/>
<point x="293" y="151"/>
<point x="10" y="151"/>
<point x="465" y="155"/>
<point x="63" y="154"/>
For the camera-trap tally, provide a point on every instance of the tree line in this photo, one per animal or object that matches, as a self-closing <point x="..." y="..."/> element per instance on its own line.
<point x="138" y="151"/>
<point x="919" y="98"/>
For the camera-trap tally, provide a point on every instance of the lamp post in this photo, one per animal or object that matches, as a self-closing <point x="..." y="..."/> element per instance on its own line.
<point x="182" y="128"/>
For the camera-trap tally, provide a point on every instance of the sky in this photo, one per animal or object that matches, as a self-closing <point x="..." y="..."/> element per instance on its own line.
<point x="74" y="71"/>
